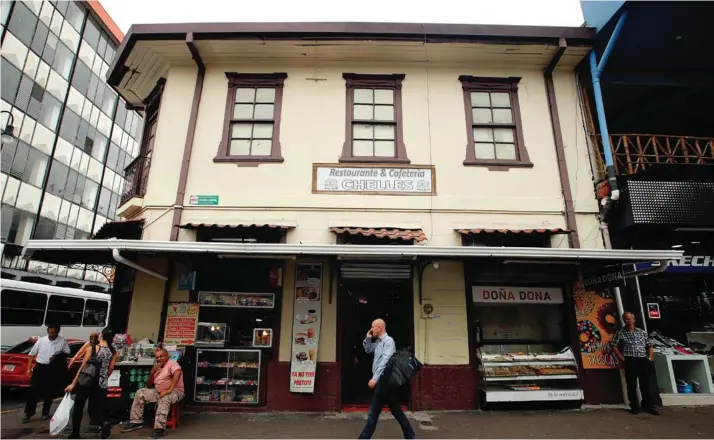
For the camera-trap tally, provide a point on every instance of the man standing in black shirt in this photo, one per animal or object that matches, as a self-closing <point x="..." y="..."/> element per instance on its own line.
<point x="634" y="351"/>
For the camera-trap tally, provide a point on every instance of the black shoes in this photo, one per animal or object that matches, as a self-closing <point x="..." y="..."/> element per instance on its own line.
<point x="131" y="427"/>
<point x="635" y="411"/>
<point x="158" y="433"/>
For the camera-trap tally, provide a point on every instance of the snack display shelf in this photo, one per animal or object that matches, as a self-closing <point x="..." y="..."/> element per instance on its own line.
<point x="227" y="376"/>
<point x="530" y="363"/>
<point x="531" y="378"/>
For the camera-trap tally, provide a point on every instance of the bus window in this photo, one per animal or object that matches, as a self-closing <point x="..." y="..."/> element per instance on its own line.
<point x="22" y="308"/>
<point x="95" y="313"/>
<point x="64" y="310"/>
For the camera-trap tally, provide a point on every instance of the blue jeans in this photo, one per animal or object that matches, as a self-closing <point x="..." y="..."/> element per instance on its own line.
<point x="382" y="396"/>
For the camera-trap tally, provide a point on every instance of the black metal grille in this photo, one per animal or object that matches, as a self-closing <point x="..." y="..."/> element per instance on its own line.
<point x="672" y="202"/>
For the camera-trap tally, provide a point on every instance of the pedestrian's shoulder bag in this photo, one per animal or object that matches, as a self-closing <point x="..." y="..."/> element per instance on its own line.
<point x="401" y="368"/>
<point x="89" y="376"/>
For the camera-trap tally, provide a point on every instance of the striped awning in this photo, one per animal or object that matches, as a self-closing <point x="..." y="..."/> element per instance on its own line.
<point x="233" y="226"/>
<point x="512" y="231"/>
<point x="392" y="233"/>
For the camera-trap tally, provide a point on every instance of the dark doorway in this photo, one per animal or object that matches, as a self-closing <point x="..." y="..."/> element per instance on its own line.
<point x="362" y="302"/>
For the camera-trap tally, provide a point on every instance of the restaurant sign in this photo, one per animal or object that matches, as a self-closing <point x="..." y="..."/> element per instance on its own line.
<point x="367" y="179"/>
<point x="517" y="295"/>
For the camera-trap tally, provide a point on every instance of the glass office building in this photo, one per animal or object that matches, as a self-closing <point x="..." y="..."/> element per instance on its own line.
<point x="63" y="174"/>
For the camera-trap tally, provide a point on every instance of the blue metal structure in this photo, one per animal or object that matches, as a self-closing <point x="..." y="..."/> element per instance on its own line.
<point x="596" y="70"/>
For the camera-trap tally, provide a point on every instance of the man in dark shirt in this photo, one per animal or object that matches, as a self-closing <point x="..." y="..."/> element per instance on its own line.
<point x="634" y="352"/>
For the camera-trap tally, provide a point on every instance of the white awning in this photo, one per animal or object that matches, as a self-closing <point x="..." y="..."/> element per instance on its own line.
<point x="54" y="250"/>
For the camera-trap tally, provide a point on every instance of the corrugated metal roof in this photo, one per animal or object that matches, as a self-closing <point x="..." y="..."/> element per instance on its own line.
<point x="233" y="226"/>
<point x="513" y="231"/>
<point x="393" y="233"/>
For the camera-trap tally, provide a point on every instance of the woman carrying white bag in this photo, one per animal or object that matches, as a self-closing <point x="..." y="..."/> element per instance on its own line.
<point x="62" y="415"/>
<point x="91" y="380"/>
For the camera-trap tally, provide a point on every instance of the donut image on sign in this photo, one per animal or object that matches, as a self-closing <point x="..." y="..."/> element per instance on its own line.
<point x="589" y="336"/>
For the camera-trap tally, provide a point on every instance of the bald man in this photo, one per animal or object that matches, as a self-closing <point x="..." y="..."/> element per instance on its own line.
<point x="383" y="347"/>
<point x="634" y="353"/>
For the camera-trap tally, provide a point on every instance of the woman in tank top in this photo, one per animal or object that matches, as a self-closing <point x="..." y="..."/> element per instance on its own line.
<point x="105" y="353"/>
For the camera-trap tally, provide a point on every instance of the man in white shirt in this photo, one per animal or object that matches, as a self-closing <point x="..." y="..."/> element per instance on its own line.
<point x="51" y="354"/>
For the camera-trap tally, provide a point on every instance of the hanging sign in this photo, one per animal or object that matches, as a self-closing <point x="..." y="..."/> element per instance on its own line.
<point x="517" y="295"/>
<point x="607" y="276"/>
<point x="187" y="280"/>
<point x="307" y="316"/>
<point x="181" y="320"/>
<point x="653" y="311"/>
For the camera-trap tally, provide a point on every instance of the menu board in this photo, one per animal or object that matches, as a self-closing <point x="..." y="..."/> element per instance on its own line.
<point x="307" y="316"/>
<point x="596" y="313"/>
<point x="181" y="320"/>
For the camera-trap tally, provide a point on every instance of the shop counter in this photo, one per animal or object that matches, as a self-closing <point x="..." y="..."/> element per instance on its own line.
<point x="126" y="379"/>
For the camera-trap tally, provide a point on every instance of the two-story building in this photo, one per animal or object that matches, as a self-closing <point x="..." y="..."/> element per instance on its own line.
<point x="299" y="180"/>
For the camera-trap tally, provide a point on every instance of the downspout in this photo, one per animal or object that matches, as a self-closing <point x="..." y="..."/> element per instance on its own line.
<point x="596" y="70"/>
<point x="119" y="258"/>
<point x="190" y="134"/>
<point x="570" y="222"/>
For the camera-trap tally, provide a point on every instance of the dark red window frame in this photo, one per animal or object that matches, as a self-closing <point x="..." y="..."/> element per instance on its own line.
<point x="485" y="84"/>
<point x="249" y="80"/>
<point x="393" y="82"/>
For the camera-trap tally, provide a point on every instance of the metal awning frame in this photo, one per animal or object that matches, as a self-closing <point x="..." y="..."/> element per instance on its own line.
<point x="346" y="251"/>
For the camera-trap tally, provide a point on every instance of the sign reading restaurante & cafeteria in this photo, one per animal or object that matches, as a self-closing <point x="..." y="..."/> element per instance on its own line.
<point x="371" y="179"/>
<point x="516" y="295"/>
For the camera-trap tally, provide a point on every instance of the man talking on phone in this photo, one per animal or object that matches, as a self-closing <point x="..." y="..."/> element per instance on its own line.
<point x="383" y="347"/>
<point x="165" y="387"/>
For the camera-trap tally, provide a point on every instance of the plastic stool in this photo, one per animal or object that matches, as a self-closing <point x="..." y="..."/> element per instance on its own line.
<point x="174" y="417"/>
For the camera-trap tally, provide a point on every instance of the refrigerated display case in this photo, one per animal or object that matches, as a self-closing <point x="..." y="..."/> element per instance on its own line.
<point x="529" y="377"/>
<point x="227" y="376"/>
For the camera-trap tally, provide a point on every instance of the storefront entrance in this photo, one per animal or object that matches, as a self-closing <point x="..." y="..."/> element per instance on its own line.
<point x="362" y="300"/>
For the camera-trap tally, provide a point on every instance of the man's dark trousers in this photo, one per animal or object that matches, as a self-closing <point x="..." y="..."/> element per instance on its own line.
<point x="384" y="395"/>
<point x="638" y="368"/>
<point x="42" y="384"/>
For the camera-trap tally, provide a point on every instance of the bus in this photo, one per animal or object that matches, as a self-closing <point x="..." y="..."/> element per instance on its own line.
<point x="27" y="308"/>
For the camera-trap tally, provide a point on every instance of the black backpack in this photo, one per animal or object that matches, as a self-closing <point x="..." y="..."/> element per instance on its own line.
<point x="89" y="376"/>
<point x="401" y="368"/>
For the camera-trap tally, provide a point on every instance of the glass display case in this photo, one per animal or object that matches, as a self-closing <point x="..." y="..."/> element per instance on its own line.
<point x="237" y="299"/>
<point x="212" y="334"/>
<point x="227" y="376"/>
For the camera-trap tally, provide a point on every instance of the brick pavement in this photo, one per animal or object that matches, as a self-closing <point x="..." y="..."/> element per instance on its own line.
<point x="596" y="423"/>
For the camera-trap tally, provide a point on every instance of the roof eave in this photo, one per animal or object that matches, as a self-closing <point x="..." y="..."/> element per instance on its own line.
<point x="444" y="33"/>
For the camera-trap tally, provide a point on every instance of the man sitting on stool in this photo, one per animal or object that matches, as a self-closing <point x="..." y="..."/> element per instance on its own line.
<point x="165" y="387"/>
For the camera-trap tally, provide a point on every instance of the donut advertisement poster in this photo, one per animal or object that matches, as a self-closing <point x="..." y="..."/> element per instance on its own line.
<point x="596" y="315"/>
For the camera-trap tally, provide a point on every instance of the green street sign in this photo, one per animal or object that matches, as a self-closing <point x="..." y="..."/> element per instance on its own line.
<point x="202" y="200"/>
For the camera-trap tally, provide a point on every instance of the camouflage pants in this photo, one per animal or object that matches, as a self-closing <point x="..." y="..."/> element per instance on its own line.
<point x="163" y="405"/>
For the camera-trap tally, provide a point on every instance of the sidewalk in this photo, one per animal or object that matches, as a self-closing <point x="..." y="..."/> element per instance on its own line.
<point x="594" y="423"/>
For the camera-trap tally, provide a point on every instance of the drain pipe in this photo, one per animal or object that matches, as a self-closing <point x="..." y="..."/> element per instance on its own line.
<point x="596" y="70"/>
<point x="119" y="258"/>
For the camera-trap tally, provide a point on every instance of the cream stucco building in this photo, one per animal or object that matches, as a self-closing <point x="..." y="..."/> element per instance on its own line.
<point x="278" y="149"/>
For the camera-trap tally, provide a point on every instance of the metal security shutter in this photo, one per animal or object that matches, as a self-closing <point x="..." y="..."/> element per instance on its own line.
<point x="352" y="271"/>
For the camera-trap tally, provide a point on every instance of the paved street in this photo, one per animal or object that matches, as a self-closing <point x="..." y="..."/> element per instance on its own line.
<point x="12" y="400"/>
<point x="595" y="423"/>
